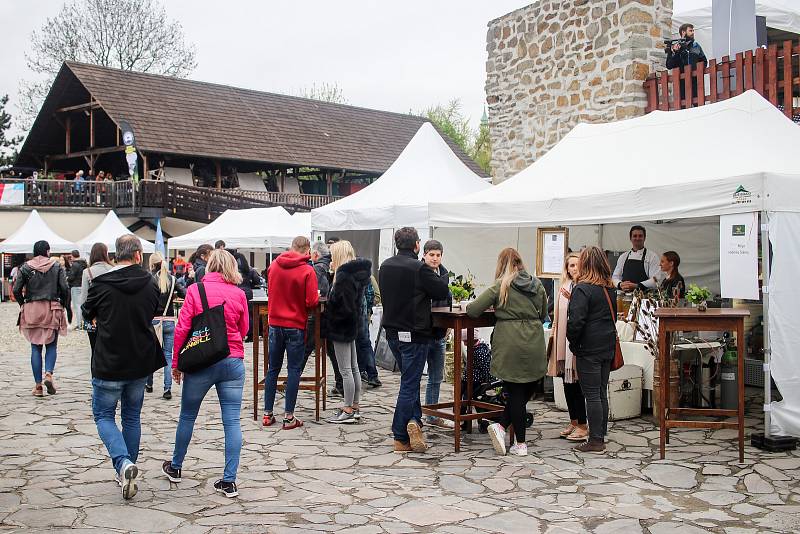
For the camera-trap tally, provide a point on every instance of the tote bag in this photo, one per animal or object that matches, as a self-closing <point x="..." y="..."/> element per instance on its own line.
<point x="208" y="342"/>
<point x="618" y="361"/>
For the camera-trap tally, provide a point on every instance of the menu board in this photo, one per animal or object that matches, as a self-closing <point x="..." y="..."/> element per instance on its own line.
<point x="551" y="249"/>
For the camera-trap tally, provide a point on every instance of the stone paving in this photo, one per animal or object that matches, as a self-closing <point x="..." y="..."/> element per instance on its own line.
<point x="55" y="476"/>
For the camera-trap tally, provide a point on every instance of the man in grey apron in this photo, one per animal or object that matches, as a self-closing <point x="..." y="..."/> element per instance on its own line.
<point x="639" y="267"/>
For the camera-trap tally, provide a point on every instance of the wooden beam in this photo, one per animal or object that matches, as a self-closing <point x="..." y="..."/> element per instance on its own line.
<point x="329" y="179"/>
<point x="146" y="167"/>
<point x="219" y="173"/>
<point x="94" y="151"/>
<point x="91" y="128"/>
<point x="79" y="107"/>
<point x="67" y="141"/>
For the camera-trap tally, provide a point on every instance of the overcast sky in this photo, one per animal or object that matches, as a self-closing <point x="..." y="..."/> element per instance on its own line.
<point x="397" y="56"/>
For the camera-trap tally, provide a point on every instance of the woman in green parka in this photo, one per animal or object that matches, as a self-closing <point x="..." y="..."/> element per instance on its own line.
<point x="519" y="354"/>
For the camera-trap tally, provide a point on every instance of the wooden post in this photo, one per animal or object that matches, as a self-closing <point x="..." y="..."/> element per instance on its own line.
<point x="282" y="174"/>
<point x="67" y="141"/>
<point x="219" y="173"/>
<point x="117" y="136"/>
<point x="91" y="128"/>
<point x="329" y="179"/>
<point x="787" y="78"/>
<point x="145" y="166"/>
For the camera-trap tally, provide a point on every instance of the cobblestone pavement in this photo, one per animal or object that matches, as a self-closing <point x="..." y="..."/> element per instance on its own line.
<point x="55" y="476"/>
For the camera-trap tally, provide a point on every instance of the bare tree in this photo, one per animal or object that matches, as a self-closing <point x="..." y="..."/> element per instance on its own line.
<point x="326" y="92"/>
<point x="132" y="35"/>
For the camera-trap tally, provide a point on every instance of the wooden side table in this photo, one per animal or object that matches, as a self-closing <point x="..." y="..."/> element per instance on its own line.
<point x="690" y="319"/>
<point x="316" y="383"/>
<point x="457" y="319"/>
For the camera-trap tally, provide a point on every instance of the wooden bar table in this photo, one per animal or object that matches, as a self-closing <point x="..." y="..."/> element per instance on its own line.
<point x="690" y="319"/>
<point x="457" y="320"/>
<point x="316" y="383"/>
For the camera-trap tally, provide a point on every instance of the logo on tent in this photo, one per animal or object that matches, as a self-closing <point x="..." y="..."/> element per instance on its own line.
<point x="742" y="196"/>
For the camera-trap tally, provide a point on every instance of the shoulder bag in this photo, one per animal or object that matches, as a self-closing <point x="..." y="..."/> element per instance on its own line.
<point x="618" y="360"/>
<point x="159" y="327"/>
<point x="207" y="343"/>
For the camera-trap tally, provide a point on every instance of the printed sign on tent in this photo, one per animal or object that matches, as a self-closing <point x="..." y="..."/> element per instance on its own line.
<point x="738" y="256"/>
<point x="12" y="194"/>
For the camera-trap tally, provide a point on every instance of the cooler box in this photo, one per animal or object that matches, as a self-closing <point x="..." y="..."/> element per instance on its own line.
<point x="624" y="393"/>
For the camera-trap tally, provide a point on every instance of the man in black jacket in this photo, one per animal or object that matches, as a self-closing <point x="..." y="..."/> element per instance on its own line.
<point x="122" y="303"/>
<point x="407" y="288"/>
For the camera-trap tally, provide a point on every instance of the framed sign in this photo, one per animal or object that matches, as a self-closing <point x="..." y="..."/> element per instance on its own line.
<point x="551" y="249"/>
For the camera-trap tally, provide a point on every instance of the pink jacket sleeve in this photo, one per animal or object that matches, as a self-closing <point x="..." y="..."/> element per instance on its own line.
<point x="184" y="324"/>
<point x="244" y="320"/>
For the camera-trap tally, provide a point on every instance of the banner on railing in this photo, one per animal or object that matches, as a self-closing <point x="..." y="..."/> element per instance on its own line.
<point x="12" y="194"/>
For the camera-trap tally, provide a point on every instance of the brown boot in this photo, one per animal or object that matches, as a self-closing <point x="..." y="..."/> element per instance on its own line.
<point x="597" y="447"/>
<point x="401" y="447"/>
<point x="38" y="391"/>
<point x="49" y="383"/>
<point x="570" y="429"/>
<point x="581" y="433"/>
<point x="417" y="440"/>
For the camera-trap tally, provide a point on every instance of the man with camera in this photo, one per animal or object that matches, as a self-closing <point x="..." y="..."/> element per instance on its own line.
<point x="684" y="51"/>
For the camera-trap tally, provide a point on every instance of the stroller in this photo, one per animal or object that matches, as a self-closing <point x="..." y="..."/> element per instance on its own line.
<point x="485" y="387"/>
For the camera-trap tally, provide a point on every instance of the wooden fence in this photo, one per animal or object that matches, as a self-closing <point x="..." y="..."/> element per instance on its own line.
<point x="774" y="73"/>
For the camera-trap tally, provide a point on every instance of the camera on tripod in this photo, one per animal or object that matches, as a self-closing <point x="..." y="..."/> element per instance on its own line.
<point x="682" y="41"/>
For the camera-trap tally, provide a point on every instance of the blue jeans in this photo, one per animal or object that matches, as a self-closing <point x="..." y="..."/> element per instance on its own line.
<point x="75" y="303"/>
<point x="292" y="342"/>
<point x="122" y="446"/>
<point x="435" y="372"/>
<point x="366" y="354"/>
<point x="167" y="343"/>
<point x="50" y="354"/>
<point x="411" y="358"/>
<point x="227" y="376"/>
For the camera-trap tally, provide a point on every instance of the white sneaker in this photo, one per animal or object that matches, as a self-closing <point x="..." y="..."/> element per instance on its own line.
<point x="518" y="449"/>
<point x="498" y="435"/>
<point x="127" y="476"/>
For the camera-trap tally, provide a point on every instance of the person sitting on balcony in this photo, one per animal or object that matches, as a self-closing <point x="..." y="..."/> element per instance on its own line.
<point x="687" y="53"/>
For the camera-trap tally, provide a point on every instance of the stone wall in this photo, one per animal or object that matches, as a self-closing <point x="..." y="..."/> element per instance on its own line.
<point x="555" y="63"/>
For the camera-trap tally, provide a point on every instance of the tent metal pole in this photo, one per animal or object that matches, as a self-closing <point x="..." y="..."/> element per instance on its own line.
<point x="766" y="289"/>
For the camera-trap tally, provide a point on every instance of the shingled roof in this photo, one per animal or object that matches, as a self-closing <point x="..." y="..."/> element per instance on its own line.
<point x="191" y="118"/>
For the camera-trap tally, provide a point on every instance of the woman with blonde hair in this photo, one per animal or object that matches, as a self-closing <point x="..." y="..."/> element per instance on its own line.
<point x="561" y="360"/>
<point x="164" y="322"/>
<point x="343" y="313"/>
<point x="218" y="288"/>
<point x="518" y="347"/>
<point x="592" y="336"/>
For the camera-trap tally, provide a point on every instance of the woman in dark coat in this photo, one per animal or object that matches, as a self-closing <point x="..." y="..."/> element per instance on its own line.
<point x="343" y="315"/>
<point x="592" y="336"/>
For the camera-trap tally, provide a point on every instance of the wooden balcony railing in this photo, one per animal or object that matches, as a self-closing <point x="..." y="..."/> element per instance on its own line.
<point x="774" y="73"/>
<point x="168" y="199"/>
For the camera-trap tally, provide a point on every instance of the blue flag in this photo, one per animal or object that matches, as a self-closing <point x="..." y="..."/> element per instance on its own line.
<point x="160" y="248"/>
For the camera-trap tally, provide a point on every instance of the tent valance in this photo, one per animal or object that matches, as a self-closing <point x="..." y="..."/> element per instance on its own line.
<point x="35" y="229"/>
<point x="109" y="230"/>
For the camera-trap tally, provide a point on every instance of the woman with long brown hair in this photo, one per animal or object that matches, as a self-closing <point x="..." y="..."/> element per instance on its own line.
<point x="518" y="349"/>
<point x="592" y="335"/>
<point x="673" y="285"/>
<point x="99" y="263"/>
<point x="562" y="361"/>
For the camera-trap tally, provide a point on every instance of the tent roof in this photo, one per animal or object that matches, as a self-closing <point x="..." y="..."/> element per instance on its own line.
<point x="32" y="230"/>
<point x="248" y="228"/>
<point x="107" y="232"/>
<point x="781" y="15"/>
<point x="664" y="165"/>
<point x="426" y="170"/>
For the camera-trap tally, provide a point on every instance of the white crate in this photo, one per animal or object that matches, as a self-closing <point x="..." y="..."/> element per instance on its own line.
<point x="624" y="393"/>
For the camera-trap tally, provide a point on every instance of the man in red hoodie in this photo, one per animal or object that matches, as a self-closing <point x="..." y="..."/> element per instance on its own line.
<point x="292" y="286"/>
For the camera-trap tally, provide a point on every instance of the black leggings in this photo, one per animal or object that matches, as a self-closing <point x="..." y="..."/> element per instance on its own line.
<point x="593" y="372"/>
<point x="576" y="402"/>
<point x="515" y="410"/>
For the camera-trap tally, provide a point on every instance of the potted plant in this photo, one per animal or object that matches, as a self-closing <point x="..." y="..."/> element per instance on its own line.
<point x="698" y="296"/>
<point x="462" y="287"/>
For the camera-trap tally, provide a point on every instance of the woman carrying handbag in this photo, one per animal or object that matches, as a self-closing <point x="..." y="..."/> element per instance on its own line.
<point x="592" y="336"/>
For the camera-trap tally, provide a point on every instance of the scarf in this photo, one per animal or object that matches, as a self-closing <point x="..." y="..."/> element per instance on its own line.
<point x="565" y="360"/>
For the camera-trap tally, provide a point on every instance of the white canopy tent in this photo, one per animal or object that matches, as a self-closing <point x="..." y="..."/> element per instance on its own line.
<point x="628" y="171"/>
<point x="425" y="171"/>
<point x="32" y="230"/>
<point x="107" y="232"/>
<point x="254" y="228"/>
<point x="780" y="14"/>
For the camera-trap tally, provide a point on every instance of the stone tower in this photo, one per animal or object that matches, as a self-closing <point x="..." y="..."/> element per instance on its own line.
<point x="555" y="63"/>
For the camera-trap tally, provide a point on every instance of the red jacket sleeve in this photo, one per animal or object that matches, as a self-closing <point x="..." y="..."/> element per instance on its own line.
<point x="184" y="324"/>
<point x="312" y="293"/>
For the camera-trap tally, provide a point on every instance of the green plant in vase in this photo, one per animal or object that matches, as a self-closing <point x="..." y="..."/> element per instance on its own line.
<point x="698" y="296"/>
<point x="462" y="287"/>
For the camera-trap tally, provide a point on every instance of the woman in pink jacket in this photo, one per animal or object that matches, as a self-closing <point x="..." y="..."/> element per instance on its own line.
<point x="227" y="376"/>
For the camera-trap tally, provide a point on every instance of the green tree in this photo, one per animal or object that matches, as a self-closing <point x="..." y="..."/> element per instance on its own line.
<point x="8" y="143"/>
<point x="450" y="120"/>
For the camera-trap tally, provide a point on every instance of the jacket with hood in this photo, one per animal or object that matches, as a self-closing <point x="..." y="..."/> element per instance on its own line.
<point x="322" y="268"/>
<point x="218" y="291"/>
<point x="124" y="301"/>
<point x="75" y="272"/>
<point x="407" y="287"/>
<point x="43" y="278"/>
<point x="292" y="287"/>
<point x="518" y="346"/>
<point x="345" y="306"/>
